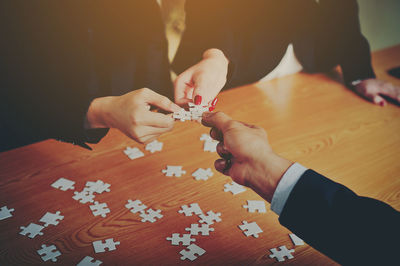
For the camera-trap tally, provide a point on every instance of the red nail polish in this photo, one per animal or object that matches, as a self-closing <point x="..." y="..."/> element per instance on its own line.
<point x="214" y="102"/>
<point x="188" y="84"/>
<point x="197" y="100"/>
<point x="211" y="108"/>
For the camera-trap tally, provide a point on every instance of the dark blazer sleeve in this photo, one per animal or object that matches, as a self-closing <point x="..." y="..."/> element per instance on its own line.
<point x="346" y="227"/>
<point x="342" y="39"/>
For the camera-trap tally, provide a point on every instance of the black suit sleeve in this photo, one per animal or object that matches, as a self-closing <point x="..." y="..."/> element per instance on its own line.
<point x="341" y="40"/>
<point x="346" y="227"/>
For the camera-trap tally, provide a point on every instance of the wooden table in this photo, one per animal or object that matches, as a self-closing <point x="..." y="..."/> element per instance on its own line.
<point x="309" y="118"/>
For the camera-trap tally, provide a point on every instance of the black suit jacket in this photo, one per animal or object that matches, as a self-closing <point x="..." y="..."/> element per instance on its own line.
<point x="56" y="56"/>
<point x="255" y="34"/>
<point x="348" y="228"/>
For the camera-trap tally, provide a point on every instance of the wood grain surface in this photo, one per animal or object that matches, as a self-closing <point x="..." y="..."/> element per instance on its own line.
<point x="310" y="119"/>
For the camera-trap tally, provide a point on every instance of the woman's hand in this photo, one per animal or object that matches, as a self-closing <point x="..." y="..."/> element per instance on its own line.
<point x="202" y="82"/>
<point x="131" y="114"/>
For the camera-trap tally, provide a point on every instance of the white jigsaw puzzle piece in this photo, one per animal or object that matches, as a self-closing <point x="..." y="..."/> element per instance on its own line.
<point x="135" y="206"/>
<point x="177" y="239"/>
<point x="195" y="229"/>
<point x="51" y="218"/>
<point x="97" y="187"/>
<point x="280" y="254"/>
<point x="133" y="153"/>
<point x="63" y="184"/>
<point x="203" y="174"/>
<point x="234" y="188"/>
<point x="255" y="205"/>
<point x="297" y="241"/>
<point x="89" y="261"/>
<point x="151" y="215"/>
<point x="99" y="209"/>
<point x="188" y="211"/>
<point x="210" y="218"/>
<point x="108" y="245"/>
<point x="191" y="251"/>
<point x="5" y="213"/>
<point x="154" y="146"/>
<point x="250" y="229"/>
<point x="31" y="230"/>
<point x="83" y="196"/>
<point x="173" y="171"/>
<point x="49" y="253"/>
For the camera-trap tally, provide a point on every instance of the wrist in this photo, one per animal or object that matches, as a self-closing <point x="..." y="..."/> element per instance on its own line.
<point x="273" y="168"/>
<point x="96" y="116"/>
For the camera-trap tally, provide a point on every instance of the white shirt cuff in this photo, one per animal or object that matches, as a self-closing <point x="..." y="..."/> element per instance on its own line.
<point x="285" y="186"/>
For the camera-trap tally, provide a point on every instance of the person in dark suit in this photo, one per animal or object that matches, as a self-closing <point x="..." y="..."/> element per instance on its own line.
<point x="257" y="37"/>
<point x="72" y="69"/>
<point x="348" y="228"/>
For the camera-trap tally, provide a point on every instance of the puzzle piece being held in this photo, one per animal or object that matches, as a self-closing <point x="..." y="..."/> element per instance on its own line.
<point x="5" y="213"/>
<point x="49" y="253"/>
<point x="250" y="229"/>
<point x="182" y="115"/>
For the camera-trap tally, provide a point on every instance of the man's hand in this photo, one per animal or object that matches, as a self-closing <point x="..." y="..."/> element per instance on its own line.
<point x="202" y="82"/>
<point x="131" y="114"/>
<point x="374" y="89"/>
<point x="246" y="154"/>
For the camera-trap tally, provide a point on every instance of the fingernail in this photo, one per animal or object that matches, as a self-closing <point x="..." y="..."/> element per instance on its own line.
<point x="188" y="84"/>
<point x="382" y="103"/>
<point x="211" y="108"/>
<point x="214" y="102"/>
<point x="197" y="100"/>
<point x="206" y="114"/>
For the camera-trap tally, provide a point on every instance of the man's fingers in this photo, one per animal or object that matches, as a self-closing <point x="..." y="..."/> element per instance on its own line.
<point x="216" y="134"/>
<point x="218" y="120"/>
<point x="222" y="166"/>
<point x="223" y="152"/>
<point x="157" y="120"/>
<point x="160" y="101"/>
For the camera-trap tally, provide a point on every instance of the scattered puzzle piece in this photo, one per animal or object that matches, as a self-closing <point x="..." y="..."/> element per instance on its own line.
<point x="5" y="213"/>
<point x="191" y="251"/>
<point x="188" y="211"/>
<point x="203" y="174"/>
<point x="31" y="230"/>
<point x="97" y="187"/>
<point x="297" y="241"/>
<point x="255" y="205"/>
<point x="83" y="196"/>
<point x="210" y="218"/>
<point x="150" y="215"/>
<point x="210" y="145"/>
<point x="135" y="206"/>
<point x="99" y="209"/>
<point x="206" y="137"/>
<point x="49" y="253"/>
<point x="281" y="254"/>
<point x="174" y="171"/>
<point x="108" y="245"/>
<point x="234" y="188"/>
<point x="195" y="229"/>
<point x="250" y="229"/>
<point x="154" y="146"/>
<point x="51" y="218"/>
<point x="89" y="261"/>
<point x="176" y="239"/>
<point x="63" y="184"/>
<point x="133" y="153"/>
